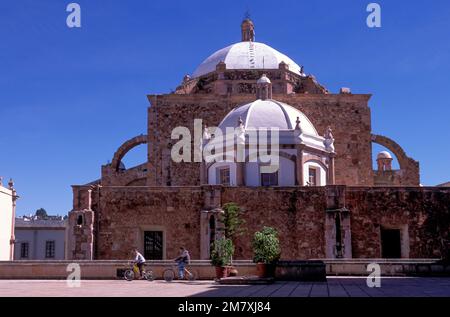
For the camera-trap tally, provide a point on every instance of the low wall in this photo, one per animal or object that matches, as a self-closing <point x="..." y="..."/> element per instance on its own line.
<point x="105" y="269"/>
<point x="389" y="267"/>
<point x="109" y="269"/>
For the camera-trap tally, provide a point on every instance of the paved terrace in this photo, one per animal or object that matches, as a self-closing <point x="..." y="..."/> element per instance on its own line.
<point x="334" y="287"/>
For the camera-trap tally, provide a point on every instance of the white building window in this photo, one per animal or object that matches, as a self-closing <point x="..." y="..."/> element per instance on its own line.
<point x="312" y="176"/>
<point x="224" y="176"/>
<point x="269" y="179"/>
<point x="49" y="249"/>
<point x="24" y="250"/>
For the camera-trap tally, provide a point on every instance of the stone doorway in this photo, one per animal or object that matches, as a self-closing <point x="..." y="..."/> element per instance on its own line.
<point x="391" y="247"/>
<point x="153" y="245"/>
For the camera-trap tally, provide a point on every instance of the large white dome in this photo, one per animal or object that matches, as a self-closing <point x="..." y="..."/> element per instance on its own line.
<point x="246" y="55"/>
<point x="267" y="114"/>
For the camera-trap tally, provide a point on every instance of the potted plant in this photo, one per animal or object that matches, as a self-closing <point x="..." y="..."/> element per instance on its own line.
<point x="222" y="251"/>
<point x="266" y="248"/>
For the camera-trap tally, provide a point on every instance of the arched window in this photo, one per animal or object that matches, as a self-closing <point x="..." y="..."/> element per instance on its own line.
<point x="222" y="173"/>
<point x="80" y="220"/>
<point x="315" y="173"/>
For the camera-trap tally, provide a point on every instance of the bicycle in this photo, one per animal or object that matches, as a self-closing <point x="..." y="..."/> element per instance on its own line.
<point x="169" y="274"/>
<point x="131" y="273"/>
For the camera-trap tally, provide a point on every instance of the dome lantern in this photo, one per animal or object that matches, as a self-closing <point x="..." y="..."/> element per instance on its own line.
<point x="384" y="161"/>
<point x="248" y="30"/>
<point x="264" y="88"/>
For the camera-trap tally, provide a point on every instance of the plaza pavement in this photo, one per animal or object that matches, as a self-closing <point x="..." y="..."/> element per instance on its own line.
<point x="334" y="287"/>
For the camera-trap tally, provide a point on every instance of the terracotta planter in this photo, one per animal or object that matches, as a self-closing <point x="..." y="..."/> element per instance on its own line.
<point x="221" y="272"/>
<point x="232" y="271"/>
<point x="261" y="270"/>
<point x="265" y="270"/>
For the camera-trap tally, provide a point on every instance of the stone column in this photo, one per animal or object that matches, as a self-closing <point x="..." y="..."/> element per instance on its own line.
<point x="12" y="239"/>
<point x="331" y="170"/>
<point x="286" y="86"/>
<point x="203" y="174"/>
<point x="204" y="235"/>
<point x="330" y="235"/>
<point x="299" y="166"/>
<point x="240" y="172"/>
<point x="346" y="233"/>
<point x="80" y="242"/>
<point x="239" y="149"/>
<point x="220" y="85"/>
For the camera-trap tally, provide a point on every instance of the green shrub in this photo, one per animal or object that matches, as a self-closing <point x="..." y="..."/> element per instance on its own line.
<point x="222" y="252"/>
<point x="232" y="220"/>
<point x="266" y="246"/>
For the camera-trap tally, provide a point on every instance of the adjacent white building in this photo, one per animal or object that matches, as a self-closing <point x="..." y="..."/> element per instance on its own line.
<point x="8" y="199"/>
<point x="40" y="239"/>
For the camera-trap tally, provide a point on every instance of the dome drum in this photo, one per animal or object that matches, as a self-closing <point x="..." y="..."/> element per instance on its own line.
<point x="275" y="127"/>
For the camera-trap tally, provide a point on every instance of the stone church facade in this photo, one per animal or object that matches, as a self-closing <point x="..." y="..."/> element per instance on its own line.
<point x="326" y="200"/>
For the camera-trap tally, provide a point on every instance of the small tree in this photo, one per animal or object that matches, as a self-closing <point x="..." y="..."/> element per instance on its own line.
<point x="41" y="213"/>
<point x="266" y="246"/>
<point x="222" y="252"/>
<point x="232" y="221"/>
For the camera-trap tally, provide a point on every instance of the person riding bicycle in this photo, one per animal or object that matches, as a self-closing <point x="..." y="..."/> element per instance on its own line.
<point x="182" y="260"/>
<point x="139" y="260"/>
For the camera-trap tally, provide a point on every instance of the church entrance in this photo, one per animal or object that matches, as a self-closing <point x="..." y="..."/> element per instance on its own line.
<point x="153" y="245"/>
<point x="391" y="243"/>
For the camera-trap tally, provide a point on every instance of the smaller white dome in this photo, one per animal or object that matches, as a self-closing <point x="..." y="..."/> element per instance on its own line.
<point x="267" y="114"/>
<point x="264" y="80"/>
<point x="384" y="155"/>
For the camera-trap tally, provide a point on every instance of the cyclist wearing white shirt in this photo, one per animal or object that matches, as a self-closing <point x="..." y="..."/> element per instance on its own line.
<point x="139" y="260"/>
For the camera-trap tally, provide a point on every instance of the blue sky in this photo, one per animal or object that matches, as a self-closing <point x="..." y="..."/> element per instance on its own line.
<point x="70" y="97"/>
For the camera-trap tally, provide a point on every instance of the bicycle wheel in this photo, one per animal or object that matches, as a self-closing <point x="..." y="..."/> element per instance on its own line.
<point x="128" y="275"/>
<point x="149" y="275"/>
<point x="191" y="276"/>
<point x="169" y="275"/>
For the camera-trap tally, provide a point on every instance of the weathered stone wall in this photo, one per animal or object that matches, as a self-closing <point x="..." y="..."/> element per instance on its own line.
<point x="121" y="214"/>
<point x="387" y="178"/>
<point x="423" y="212"/>
<point x="348" y="115"/>
<point x="297" y="213"/>
<point x="125" y="212"/>
<point x="135" y="176"/>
